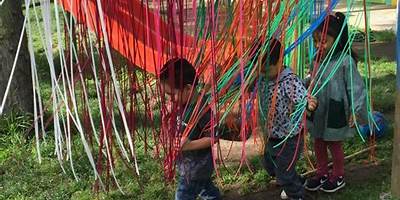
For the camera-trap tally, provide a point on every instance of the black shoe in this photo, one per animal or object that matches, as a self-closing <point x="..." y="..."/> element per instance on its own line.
<point x="284" y="196"/>
<point x="333" y="186"/>
<point x="315" y="183"/>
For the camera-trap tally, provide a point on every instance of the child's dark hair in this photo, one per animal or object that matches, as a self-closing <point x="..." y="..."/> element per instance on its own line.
<point x="272" y="53"/>
<point x="180" y="71"/>
<point x="335" y="24"/>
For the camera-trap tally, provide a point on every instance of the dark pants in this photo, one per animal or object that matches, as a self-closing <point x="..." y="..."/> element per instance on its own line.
<point x="280" y="162"/>
<point x="190" y="190"/>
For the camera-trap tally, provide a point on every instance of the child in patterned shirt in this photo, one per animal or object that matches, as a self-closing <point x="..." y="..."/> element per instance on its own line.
<point x="282" y="93"/>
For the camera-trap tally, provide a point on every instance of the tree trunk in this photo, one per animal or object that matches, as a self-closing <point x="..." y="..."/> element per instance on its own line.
<point x="20" y="95"/>
<point x="396" y="139"/>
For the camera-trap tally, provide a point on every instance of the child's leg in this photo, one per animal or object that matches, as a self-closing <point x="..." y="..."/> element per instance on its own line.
<point x="268" y="162"/>
<point x="336" y="181"/>
<point x="285" y="161"/>
<point x="186" y="190"/>
<point x="337" y="153"/>
<point x="321" y="153"/>
<point x="209" y="191"/>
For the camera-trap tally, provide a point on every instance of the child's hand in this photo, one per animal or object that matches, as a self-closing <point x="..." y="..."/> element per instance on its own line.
<point x="258" y="130"/>
<point x="312" y="103"/>
<point x="307" y="80"/>
<point x="184" y="140"/>
<point x="236" y="108"/>
<point x="351" y="121"/>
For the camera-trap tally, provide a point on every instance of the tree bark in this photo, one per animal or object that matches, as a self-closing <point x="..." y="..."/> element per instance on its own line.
<point x="396" y="150"/>
<point x="396" y="139"/>
<point x="20" y="95"/>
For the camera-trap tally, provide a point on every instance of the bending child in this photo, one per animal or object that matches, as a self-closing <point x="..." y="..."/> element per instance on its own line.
<point x="195" y="164"/>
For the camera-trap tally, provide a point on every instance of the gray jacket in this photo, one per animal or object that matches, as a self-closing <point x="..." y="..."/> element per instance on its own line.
<point x="335" y="100"/>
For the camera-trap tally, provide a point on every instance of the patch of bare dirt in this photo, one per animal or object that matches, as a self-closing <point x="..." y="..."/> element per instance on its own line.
<point x="355" y="175"/>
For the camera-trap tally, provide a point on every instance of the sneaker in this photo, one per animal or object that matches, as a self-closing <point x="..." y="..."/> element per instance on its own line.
<point x="284" y="195"/>
<point x="333" y="185"/>
<point x="315" y="183"/>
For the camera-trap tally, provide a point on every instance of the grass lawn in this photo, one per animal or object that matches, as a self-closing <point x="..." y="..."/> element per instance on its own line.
<point x="22" y="177"/>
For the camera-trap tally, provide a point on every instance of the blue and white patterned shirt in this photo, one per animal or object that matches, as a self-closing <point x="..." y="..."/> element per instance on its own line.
<point x="289" y="91"/>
